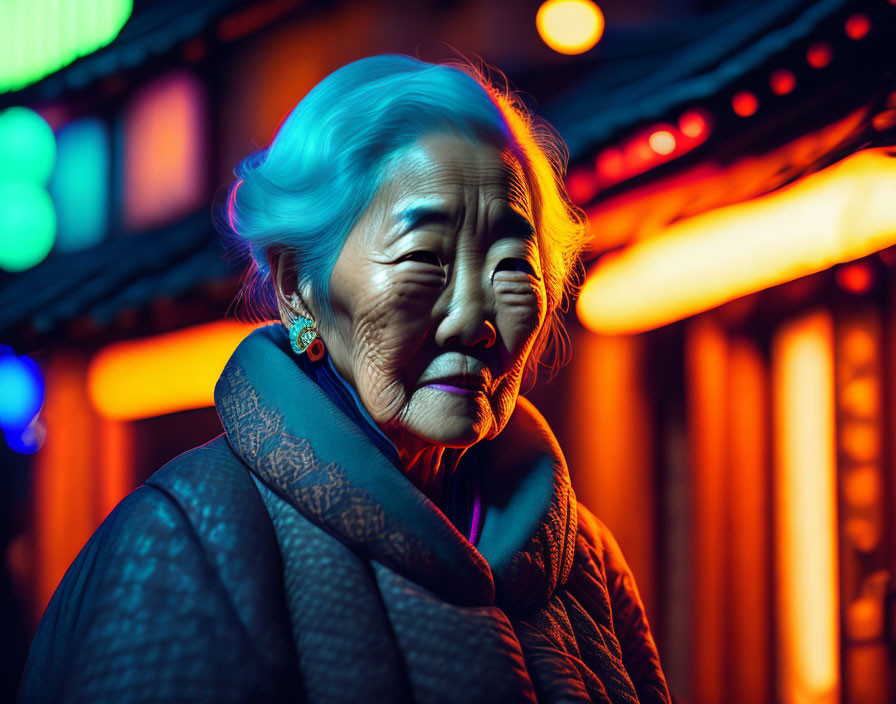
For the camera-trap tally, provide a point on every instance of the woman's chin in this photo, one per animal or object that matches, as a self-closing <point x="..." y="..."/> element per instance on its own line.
<point x="450" y="420"/>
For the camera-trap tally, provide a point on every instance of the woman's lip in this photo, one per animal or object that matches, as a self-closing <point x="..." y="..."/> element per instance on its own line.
<point x="452" y="389"/>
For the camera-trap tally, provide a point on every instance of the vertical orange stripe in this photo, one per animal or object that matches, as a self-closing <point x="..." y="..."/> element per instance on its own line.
<point x="63" y="505"/>
<point x="805" y="511"/>
<point x="749" y="556"/>
<point x="706" y="370"/>
<point x="610" y="452"/>
<point x="116" y="464"/>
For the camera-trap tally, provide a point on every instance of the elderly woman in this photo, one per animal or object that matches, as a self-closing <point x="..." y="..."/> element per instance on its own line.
<point x="384" y="519"/>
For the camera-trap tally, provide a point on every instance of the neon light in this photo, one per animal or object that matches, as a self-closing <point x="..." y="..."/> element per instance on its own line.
<point x="163" y="374"/>
<point x="707" y="374"/>
<point x="80" y="185"/>
<point x="164" y="152"/>
<point x="22" y="394"/>
<point x="570" y="26"/>
<point x="63" y="477"/>
<point x="38" y="37"/>
<point x="749" y="554"/>
<point x="805" y="511"/>
<point x="27" y="225"/>
<point x="842" y="213"/>
<point x="27" y="147"/>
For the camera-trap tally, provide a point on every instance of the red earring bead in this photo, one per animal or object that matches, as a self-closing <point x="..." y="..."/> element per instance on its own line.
<point x="316" y="350"/>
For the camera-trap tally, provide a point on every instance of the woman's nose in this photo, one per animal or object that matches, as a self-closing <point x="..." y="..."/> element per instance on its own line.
<point x="467" y="322"/>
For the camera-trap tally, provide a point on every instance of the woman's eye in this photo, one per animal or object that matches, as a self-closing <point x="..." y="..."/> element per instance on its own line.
<point x="423" y="256"/>
<point x="517" y="264"/>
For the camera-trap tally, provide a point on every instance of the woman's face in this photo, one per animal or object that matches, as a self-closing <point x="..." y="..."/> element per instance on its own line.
<point x="438" y="294"/>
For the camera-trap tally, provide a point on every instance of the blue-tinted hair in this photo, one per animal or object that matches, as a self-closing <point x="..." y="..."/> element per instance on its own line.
<point x="308" y="188"/>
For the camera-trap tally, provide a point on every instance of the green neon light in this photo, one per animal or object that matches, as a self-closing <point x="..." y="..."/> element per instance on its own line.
<point x="27" y="225"/>
<point x="38" y="37"/>
<point x="27" y="147"/>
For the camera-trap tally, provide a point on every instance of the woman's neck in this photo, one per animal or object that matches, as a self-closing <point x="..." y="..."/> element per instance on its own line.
<point x="428" y="466"/>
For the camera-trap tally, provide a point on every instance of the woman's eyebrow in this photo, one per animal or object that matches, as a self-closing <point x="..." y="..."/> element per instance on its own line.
<point x="418" y="215"/>
<point x="513" y="224"/>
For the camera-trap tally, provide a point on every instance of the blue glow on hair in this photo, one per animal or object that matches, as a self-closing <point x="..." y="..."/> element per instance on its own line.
<point x="307" y="189"/>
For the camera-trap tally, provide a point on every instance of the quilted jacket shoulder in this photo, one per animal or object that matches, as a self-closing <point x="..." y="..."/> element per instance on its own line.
<point x="147" y="612"/>
<point x="629" y="621"/>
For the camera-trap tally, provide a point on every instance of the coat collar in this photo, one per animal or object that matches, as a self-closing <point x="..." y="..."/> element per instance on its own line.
<point x="301" y="445"/>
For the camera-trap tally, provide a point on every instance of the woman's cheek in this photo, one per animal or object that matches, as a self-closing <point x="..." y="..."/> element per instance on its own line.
<point x="387" y="333"/>
<point x="519" y="322"/>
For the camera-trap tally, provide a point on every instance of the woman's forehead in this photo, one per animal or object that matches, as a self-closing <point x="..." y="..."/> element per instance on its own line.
<point x="448" y="167"/>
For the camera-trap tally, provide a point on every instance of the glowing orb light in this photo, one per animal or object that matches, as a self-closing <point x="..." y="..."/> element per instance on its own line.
<point x="21" y="391"/>
<point x="570" y="26"/>
<point x="662" y="142"/>
<point x="41" y="36"/>
<point x="27" y="146"/>
<point x="744" y="103"/>
<point x="27" y="225"/>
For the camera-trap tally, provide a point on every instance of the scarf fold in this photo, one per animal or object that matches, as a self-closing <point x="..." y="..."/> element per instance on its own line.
<point x="313" y="453"/>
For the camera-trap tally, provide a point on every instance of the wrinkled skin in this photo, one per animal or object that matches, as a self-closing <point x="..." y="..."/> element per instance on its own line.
<point x="418" y="299"/>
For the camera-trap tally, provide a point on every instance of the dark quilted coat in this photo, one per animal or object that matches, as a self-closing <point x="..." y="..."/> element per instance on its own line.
<point x="288" y="560"/>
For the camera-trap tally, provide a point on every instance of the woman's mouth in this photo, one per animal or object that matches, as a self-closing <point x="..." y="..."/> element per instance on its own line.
<point x="459" y="384"/>
<point x="452" y="389"/>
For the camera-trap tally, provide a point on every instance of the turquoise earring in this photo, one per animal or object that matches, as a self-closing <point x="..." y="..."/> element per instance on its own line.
<point x="303" y="337"/>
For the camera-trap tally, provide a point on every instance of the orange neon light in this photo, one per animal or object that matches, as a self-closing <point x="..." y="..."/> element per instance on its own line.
<point x="63" y="478"/>
<point x="164" y="156"/>
<point x="163" y="374"/>
<point x="806" y="511"/>
<point x="749" y="554"/>
<point x="842" y="213"/>
<point x="706" y="367"/>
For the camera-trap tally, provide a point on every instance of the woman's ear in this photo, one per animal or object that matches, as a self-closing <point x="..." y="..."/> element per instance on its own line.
<point x="285" y="281"/>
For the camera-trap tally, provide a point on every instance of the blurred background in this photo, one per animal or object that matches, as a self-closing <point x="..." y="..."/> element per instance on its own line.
<point x="730" y="406"/>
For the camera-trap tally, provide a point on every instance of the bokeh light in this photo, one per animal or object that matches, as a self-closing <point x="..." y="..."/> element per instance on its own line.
<point x="782" y="81"/>
<point x="819" y="55"/>
<point x="27" y="146"/>
<point x="662" y="142"/>
<point x="693" y="123"/>
<point x="857" y="26"/>
<point x="855" y="277"/>
<point x="21" y="392"/>
<point x="80" y="184"/>
<point x="164" y="154"/>
<point x="744" y="103"/>
<point x="570" y="26"/>
<point x="27" y="225"/>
